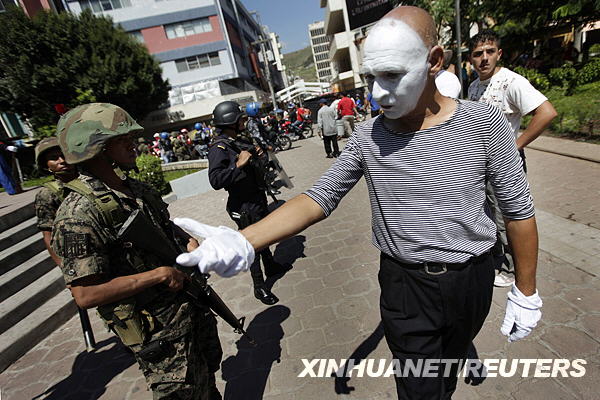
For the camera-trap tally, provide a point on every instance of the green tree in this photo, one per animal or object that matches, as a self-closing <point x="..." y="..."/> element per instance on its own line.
<point x="516" y="21"/>
<point x="68" y="59"/>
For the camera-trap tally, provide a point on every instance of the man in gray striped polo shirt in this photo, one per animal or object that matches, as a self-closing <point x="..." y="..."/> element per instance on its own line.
<point x="426" y="162"/>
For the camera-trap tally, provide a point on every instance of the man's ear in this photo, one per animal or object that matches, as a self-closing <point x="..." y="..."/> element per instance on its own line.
<point x="436" y="59"/>
<point x="499" y="54"/>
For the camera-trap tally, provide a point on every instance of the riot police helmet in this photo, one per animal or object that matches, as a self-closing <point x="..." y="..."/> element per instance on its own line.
<point x="227" y="113"/>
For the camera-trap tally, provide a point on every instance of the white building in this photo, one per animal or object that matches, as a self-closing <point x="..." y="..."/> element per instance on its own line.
<point x="319" y="43"/>
<point x="347" y="31"/>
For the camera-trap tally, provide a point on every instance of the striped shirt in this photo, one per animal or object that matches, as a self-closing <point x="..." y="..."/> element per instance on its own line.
<point x="427" y="188"/>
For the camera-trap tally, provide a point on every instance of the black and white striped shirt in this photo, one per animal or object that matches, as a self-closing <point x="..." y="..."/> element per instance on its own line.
<point x="427" y="188"/>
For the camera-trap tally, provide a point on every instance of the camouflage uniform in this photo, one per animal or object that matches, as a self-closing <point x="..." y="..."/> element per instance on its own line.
<point x="46" y="203"/>
<point x="142" y="147"/>
<point x="48" y="199"/>
<point x="179" y="149"/>
<point x="190" y="349"/>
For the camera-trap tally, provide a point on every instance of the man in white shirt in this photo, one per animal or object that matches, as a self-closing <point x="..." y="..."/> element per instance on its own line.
<point x="446" y="81"/>
<point x="515" y="97"/>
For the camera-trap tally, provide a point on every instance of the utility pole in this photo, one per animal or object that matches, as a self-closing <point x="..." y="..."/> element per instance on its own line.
<point x="262" y="40"/>
<point x="458" y="45"/>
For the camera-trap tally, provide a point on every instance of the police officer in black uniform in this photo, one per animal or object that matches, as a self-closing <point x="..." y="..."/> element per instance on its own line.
<point x="234" y="164"/>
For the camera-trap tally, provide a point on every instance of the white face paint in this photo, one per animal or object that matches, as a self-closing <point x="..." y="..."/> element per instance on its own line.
<point x="395" y="64"/>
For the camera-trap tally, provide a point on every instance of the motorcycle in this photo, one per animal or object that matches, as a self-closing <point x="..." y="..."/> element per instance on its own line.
<point x="278" y="139"/>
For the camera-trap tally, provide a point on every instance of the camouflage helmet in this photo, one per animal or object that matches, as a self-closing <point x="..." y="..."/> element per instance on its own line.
<point x="42" y="147"/>
<point x="83" y="131"/>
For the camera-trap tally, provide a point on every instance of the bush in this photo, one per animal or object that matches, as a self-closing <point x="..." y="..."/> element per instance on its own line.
<point x="151" y="173"/>
<point x="563" y="76"/>
<point x="537" y="79"/>
<point x="590" y="72"/>
<point x="578" y="113"/>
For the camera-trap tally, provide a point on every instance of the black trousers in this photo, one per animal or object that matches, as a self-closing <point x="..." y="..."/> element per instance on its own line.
<point x="328" y="141"/>
<point x="432" y="317"/>
<point x="254" y="212"/>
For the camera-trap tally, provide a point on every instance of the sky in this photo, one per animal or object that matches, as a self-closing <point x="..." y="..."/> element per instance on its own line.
<point x="288" y="18"/>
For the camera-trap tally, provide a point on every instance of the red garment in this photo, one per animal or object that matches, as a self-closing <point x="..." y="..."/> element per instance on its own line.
<point x="301" y="114"/>
<point x="346" y="106"/>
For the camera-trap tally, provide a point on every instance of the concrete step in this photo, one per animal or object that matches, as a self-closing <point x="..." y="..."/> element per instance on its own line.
<point x="15" y="217"/>
<point x="20" y="252"/>
<point x="26" y="333"/>
<point x="27" y="300"/>
<point x="27" y="272"/>
<point x="17" y="233"/>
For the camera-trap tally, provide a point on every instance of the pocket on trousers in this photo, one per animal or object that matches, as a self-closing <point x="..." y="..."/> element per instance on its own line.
<point x="392" y="281"/>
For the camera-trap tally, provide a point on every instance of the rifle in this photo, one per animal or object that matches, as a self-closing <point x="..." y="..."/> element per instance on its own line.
<point x="140" y="233"/>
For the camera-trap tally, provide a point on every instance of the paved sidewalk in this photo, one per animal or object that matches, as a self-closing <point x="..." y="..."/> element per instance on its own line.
<point x="329" y="307"/>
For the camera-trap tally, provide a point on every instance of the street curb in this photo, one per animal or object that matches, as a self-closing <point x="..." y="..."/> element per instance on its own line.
<point x="562" y="153"/>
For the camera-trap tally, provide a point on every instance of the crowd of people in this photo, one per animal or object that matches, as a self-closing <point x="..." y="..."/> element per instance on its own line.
<point x="442" y="173"/>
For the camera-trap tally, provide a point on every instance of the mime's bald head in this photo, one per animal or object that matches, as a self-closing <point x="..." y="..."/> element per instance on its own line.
<point x="419" y="20"/>
<point x="396" y="59"/>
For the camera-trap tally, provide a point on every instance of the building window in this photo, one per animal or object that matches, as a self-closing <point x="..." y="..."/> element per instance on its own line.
<point x="187" y="28"/>
<point x="196" y="62"/>
<point x="97" y="6"/>
<point x="321" y="48"/>
<point x="137" y="35"/>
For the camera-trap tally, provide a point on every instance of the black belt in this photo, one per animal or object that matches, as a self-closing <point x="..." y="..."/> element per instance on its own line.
<point x="436" y="268"/>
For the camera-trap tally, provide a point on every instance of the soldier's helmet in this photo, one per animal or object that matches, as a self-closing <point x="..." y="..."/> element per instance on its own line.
<point x="227" y="113"/>
<point x="83" y="131"/>
<point x="41" y="148"/>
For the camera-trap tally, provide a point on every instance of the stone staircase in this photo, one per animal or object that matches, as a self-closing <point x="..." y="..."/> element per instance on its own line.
<point x="33" y="297"/>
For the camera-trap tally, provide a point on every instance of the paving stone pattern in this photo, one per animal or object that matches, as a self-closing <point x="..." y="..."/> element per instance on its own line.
<point x="329" y="306"/>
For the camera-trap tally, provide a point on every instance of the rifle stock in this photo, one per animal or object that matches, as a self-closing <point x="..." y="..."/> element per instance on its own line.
<point x="140" y="233"/>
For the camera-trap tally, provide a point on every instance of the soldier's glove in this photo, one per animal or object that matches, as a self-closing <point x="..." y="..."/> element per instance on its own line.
<point x="12" y="149"/>
<point x="522" y="314"/>
<point x="223" y="250"/>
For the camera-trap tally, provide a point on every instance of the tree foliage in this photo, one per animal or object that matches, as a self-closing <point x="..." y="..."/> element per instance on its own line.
<point x="68" y="59"/>
<point x="516" y="21"/>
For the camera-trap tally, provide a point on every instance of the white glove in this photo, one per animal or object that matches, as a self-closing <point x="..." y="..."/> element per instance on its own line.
<point x="522" y="313"/>
<point x="11" y="148"/>
<point x="224" y="251"/>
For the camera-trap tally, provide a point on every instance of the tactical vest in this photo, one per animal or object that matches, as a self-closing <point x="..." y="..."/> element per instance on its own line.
<point x="55" y="187"/>
<point x="127" y="318"/>
<point x="258" y="165"/>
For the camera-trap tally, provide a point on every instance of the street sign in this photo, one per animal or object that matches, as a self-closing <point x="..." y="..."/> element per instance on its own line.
<point x="364" y="12"/>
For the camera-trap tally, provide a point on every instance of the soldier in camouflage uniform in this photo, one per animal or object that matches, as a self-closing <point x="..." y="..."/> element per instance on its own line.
<point x="175" y="343"/>
<point x="49" y="157"/>
<point x="142" y="147"/>
<point x="179" y="147"/>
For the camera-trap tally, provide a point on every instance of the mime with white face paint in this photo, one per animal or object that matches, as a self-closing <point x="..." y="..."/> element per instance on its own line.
<point x="426" y="161"/>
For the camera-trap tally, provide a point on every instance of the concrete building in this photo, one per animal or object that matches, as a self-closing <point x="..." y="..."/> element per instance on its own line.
<point x="348" y="30"/>
<point x="319" y="43"/>
<point x="205" y="48"/>
<point x="343" y="51"/>
<point x="277" y="56"/>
